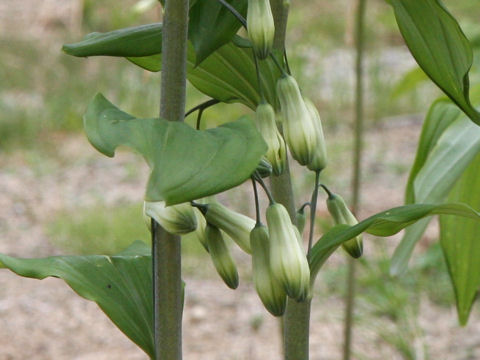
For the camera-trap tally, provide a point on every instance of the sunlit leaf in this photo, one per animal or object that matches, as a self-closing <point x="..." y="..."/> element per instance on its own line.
<point x="439" y="46"/>
<point x="386" y="223"/>
<point x="436" y="171"/>
<point x="119" y="284"/>
<point x="442" y="114"/>
<point x="460" y="240"/>
<point x="186" y="164"/>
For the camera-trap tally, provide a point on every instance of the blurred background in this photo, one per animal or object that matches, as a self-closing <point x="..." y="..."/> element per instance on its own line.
<point x="59" y="196"/>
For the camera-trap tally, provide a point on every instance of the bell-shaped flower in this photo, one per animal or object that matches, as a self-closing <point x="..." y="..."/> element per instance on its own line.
<point x="287" y="259"/>
<point x="221" y="257"/>
<point x="235" y="225"/>
<point x="176" y="219"/>
<point x="319" y="161"/>
<point x="266" y="125"/>
<point x="269" y="289"/>
<point x="261" y="27"/>
<point x="298" y="126"/>
<point x="341" y="214"/>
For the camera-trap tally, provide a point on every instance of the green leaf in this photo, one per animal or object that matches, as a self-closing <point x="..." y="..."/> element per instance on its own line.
<point x="442" y="114"/>
<point x="432" y="178"/>
<point x="135" y="41"/>
<point x="386" y="223"/>
<point x="460" y="242"/>
<point x="439" y="46"/>
<point x="186" y="164"/>
<point x="212" y="25"/>
<point x="227" y="75"/>
<point x="119" y="284"/>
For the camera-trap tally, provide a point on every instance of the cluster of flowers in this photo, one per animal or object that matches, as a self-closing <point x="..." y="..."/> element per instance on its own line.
<point x="280" y="266"/>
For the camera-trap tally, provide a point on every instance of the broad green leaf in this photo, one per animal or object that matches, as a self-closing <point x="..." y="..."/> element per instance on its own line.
<point x="439" y="46"/>
<point x="383" y="224"/>
<point x="119" y="284"/>
<point x="135" y="41"/>
<point x="460" y="242"/>
<point x="227" y="75"/>
<point x="435" y="176"/>
<point x="186" y="164"/>
<point x="212" y="25"/>
<point x="442" y="114"/>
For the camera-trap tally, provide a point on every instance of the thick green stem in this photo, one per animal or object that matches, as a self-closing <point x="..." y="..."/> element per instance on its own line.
<point x="357" y="163"/>
<point x="296" y="330"/>
<point x="296" y="322"/>
<point x="166" y="251"/>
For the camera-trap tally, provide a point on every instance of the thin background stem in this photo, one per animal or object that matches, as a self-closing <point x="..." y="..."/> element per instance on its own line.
<point x="166" y="251"/>
<point x="357" y="163"/>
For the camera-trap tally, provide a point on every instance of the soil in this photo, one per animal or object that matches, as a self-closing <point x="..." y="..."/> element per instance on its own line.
<point x="47" y="320"/>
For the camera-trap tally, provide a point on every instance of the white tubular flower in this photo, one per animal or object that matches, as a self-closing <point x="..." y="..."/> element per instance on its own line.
<point x="269" y="289"/>
<point x="261" y="27"/>
<point x="236" y="225"/>
<point x="298" y="126"/>
<point x="176" y="219"/>
<point x="221" y="258"/>
<point x="287" y="259"/>
<point x="266" y="125"/>
<point x="319" y="161"/>
<point x="341" y="214"/>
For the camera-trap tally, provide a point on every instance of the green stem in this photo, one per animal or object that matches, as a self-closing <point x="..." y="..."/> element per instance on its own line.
<point x="234" y="13"/>
<point x="296" y="330"/>
<point x="166" y="254"/>
<point x="357" y="162"/>
<point x="257" y="205"/>
<point x="280" y="10"/>
<point x="297" y="316"/>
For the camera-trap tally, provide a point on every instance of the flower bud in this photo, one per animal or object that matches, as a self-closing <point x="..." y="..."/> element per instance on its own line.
<point x="269" y="289"/>
<point x="298" y="127"/>
<point x="176" y="219"/>
<point x="236" y="225"/>
<point x="287" y="260"/>
<point x="342" y="215"/>
<point x="221" y="258"/>
<point x="319" y="161"/>
<point x="264" y="168"/>
<point x="266" y="125"/>
<point x="261" y="28"/>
